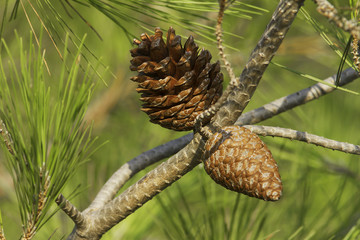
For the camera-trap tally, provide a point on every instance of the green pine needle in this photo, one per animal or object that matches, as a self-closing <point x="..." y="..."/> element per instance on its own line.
<point x="44" y="118"/>
<point x="314" y="78"/>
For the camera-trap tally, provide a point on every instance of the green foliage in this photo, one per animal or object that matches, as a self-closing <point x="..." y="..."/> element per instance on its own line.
<point x="47" y="139"/>
<point x="57" y="17"/>
<point x="354" y="232"/>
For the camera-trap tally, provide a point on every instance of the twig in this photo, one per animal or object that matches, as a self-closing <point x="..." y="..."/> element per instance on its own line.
<point x="305" y="137"/>
<point x="296" y="99"/>
<point x="121" y="176"/>
<point x="135" y="196"/>
<point x="328" y="10"/>
<point x="41" y="201"/>
<point x="210" y="112"/>
<point x="219" y="34"/>
<point x="71" y="211"/>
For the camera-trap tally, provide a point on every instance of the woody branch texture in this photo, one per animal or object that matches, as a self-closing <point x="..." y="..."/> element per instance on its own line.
<point x="123" y="174"/>
<point x="104" y="213"/>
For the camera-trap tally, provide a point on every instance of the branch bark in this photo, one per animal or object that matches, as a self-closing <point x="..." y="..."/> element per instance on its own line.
<point x="296" y="99"/>
<point x="70" y="210"/>
<point x="123" y="174"/>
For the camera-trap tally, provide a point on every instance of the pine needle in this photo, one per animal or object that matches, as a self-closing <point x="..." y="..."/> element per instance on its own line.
<point x="48" y="140"/>
<point x="314" y="78"/>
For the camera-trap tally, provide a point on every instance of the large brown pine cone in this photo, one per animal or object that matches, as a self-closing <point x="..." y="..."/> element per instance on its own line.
<point x="240" y="161"/>
<point x="176" y="83"/>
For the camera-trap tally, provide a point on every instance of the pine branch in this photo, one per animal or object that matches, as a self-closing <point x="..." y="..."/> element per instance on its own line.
<point x="258" y="115"/>
<point x="70" y="210"/>
<point x="296" y="99"/>
<point x="305" y="137"/>
<point x="123" y="174"/>
<point x="113" y="185"/>
<point x="104" y="218"/>
<point x="101" y="220"/>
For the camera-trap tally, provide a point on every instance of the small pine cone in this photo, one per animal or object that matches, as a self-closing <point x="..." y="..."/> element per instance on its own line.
<point x="240" y="161"/>
<point x="176" y="83"/>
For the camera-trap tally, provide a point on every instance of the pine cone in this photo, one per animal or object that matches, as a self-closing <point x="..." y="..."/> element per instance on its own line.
<point x="176" y="83"/>
<point x="240" y="161"/>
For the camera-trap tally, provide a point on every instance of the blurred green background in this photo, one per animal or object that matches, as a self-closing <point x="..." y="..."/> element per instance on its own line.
<point x="321" y="196"/>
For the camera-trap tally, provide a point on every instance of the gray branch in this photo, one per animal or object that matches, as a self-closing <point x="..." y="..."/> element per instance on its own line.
<point x="305" y="137"/>
<point x="296" y="99"/>
<point x="120" y="177"/>
<point x="123" y="174"/>
<point x="101" y="220"/>
<point x="70" y="210"/>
